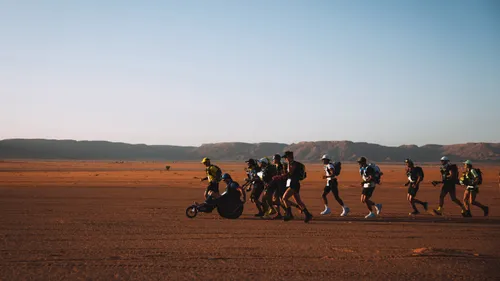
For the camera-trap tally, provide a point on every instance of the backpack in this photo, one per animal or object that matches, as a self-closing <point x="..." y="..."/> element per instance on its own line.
<point x="421" y="171"/>
<point x="454" y="170"/>
<point x="303" y="173"/>
<point x="218" y="174"/>
<point x="479" y="177"/>
<point x="337" y="166"/>
<point x="378" y="173"/>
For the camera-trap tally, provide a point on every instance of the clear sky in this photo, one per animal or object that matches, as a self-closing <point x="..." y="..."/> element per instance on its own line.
<point x="192" y="72"/>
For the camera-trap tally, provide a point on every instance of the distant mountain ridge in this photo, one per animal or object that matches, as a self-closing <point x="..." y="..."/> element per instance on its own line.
<point x="235" y="151"/>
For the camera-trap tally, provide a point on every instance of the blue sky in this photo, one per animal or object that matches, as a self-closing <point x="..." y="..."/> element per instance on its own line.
<point x="192" y="72"/>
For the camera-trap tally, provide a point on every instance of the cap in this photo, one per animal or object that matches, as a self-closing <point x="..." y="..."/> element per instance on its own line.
<point x="250" y="161"/>
<point x="264" y="161"/>
<point x="325" y="157"/>
<point x="287" y="153"/>
<point x="205" y="160"/>
<point x="362" y="159"/>
<point x="226" y="176"/>
<point x="277" y="157"/>
<point x="444" y="158"/>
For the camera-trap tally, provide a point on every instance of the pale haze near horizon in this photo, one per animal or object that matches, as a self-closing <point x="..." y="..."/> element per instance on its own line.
<point x="193" y="72"/>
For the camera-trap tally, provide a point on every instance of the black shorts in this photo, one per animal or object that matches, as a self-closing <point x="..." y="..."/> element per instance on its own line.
<point x="333" y="186"/>
<point x="257" y="191"/>
<point x="295" y="186"/>
<point x="213" y="186"/>
<point x="412" y="190"/>
<point x="280" y="189"/>
<point x="449" y="188"/>
<point x="368" y="191"/>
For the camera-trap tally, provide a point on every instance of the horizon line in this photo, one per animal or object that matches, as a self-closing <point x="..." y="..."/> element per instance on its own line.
<point x="251" y="143"/>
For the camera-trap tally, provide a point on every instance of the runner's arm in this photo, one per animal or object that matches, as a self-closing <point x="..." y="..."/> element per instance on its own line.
<point x="450" y="175"/>
<point x="476" y="177"/>
<point x="419" y="179"/>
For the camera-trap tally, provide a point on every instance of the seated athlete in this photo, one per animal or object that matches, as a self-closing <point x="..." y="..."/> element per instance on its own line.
<point x="232" y="189"/>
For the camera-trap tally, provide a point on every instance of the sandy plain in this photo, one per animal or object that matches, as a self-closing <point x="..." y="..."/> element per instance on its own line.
<point x="98" y="220"/>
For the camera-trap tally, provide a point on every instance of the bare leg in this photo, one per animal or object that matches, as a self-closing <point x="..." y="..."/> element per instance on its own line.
<point x="303" y="207"/>
<point x="323" y="197"/>
<point x="335" y="191"/>
<point x="412" y="202"/>
<point x="474" y="202"/>
<point x="453" y="197"/>
<point x="368" y="202"/>
<point x="467" y="200"/>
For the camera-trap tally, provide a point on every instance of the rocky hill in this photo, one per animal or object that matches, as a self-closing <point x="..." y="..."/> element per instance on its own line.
<point x="235" y="151"/>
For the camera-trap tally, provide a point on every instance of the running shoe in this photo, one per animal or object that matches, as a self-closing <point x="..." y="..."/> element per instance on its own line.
<point x="327" y="211"/>
<point x="345" y="212"/>
<point x="486" y="211"/>
<point x="308" y="218"/>
<point x="370" y="215"/>
<point x="414" y="213"/>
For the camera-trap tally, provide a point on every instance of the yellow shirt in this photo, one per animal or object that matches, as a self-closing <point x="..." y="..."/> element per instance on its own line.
<point x="211" y="173"/>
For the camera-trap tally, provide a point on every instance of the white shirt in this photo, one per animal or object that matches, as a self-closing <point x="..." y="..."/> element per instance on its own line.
<point x="328" y="167"/>
<point x="365" y="178"/>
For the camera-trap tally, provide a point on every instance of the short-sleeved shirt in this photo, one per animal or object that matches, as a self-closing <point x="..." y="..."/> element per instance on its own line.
<point x="232" y="186"/>
<point x="445" y="170"/>
<point x="212" y="173"/>
<point x="330" y="176"/>
<point x="471" y="177"/>
<point x="253" y="173"/>
<point x="294" y="171"/>
<point x="366" y="172"/>
<point x="267" y="174"/>
<point x="414" y="173"/>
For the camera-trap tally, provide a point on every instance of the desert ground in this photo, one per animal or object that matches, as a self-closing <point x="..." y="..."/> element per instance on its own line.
<point x="103" y="220"/>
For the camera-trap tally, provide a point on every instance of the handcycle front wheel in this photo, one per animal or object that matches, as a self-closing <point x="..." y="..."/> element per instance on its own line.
<point x="191" y="211"/>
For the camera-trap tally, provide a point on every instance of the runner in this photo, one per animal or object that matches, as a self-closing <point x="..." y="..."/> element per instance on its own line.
<point x="233" y="190"/>
<point x="449" y="179"/>
<point x="370" y="175"/>
<point x="332" y="185"/>
<point x="415" y="176"/>
<point x="257" y="185"/>
<point x="472" y="178"/>
<point x="295" y="174"/>
<point x="280" y="186"/>
<point x="214" y="175"/>
<point x="266" y="175"/>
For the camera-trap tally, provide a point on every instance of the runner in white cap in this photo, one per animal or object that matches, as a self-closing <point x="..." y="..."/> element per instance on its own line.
<point x="332" y="170"/>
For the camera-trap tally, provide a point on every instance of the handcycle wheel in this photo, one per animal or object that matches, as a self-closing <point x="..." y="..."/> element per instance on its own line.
<point x="191" y="211"/>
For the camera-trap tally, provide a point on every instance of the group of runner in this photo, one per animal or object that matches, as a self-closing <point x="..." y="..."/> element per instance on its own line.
<point x="273" y="183"/>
